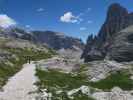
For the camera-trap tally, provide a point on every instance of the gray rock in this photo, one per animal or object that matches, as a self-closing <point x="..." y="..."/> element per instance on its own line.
<point x="115" y="94"/>
<point x="53" y="40"/>
<point x="57" y="40"/>
<point x="98" y="70"/>
<point x="98" y="47"/>
<point x="121" y="48"/>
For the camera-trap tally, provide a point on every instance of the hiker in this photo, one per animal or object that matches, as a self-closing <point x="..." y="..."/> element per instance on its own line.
<point x="29" y="60"/>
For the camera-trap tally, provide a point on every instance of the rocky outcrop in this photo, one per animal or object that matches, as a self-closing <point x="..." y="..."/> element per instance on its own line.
<point x="122" y="46"/>
<point x="63" y="64"/>
<point x="91" y="51"/>
<point x="117" y="19"/>
<point x="99" y="70"/>
<point x="115" y="94"/>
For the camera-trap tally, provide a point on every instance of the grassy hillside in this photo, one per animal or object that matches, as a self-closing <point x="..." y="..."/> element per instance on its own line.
<point x="12" y="59"/>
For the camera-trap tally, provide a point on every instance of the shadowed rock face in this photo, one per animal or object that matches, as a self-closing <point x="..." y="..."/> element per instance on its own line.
<point x="122" y="46"/>
<point x="117" y="19"/>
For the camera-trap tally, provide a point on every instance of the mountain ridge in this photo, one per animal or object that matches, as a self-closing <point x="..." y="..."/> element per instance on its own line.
<point x="117" y="19"/>
<point x="55" y="40"/>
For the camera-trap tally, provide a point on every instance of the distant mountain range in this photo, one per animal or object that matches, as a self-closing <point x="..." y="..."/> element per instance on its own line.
<point x="52" y="39"/>
<point x="58" y="40"/>
<point x="112" y="42"/>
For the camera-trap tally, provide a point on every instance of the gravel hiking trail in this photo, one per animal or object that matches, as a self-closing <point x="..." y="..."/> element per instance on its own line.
<point x="21" y="85"/>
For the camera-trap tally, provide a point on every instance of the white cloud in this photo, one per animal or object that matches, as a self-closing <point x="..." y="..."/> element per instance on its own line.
<point x="69" y="18"/>
<point x="27" y="26"/>
<point x="40" y="9"/>
<point x="80" y="20"/>
<point x="83" y="28"/>
<point x="89" y="21"/>
<point x="6" y="21"/>
<point x="81" y="14"/>
<point x="88" y="9"/>
<point x="84" y="12"/>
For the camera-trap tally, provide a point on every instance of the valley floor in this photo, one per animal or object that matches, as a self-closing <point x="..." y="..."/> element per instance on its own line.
<point x="20" y="85"/>
<point x="50" y="79"/>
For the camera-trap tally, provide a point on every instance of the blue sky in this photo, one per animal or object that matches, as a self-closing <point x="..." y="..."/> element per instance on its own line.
<point x="77" y="18"/>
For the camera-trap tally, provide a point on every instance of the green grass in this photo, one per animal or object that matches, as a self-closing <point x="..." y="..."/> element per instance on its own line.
<point x="54" y="80"/>
<point x="7" y="71"/>
<point x="120" y="79"/>
<point x="34" y="55"/>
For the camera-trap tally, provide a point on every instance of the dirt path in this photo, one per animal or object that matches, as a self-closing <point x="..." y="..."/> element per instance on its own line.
<point x="19" y="86"/>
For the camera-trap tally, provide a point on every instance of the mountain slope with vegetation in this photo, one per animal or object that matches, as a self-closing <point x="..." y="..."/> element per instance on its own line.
<point x="106" y="74"/>
<point x="16" y="52"/>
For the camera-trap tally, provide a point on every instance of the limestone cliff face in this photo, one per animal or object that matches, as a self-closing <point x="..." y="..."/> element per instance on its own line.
<point x="117" y="19"/>
<point x="122" y="46"/>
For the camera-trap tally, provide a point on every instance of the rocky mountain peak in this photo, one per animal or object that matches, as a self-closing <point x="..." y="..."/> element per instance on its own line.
<point x="116" y="10"/>
<point x="118" y="18"/>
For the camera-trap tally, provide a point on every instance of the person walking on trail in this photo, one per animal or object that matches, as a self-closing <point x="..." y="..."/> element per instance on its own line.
<point x="28" y="59"/>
